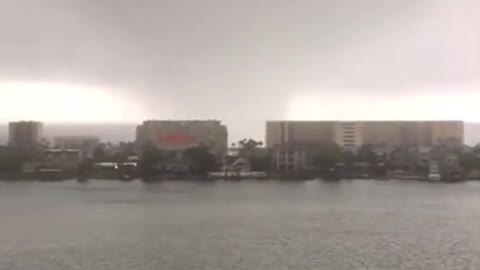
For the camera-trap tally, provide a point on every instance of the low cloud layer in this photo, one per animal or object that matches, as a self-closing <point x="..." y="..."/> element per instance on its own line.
<point x="244" y="61"/>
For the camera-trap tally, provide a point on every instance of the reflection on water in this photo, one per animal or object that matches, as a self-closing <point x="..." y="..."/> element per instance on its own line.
<point x="239" y="225"/>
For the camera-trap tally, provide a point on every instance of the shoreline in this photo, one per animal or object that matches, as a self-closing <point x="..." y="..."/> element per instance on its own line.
<point x="223" y="180"/>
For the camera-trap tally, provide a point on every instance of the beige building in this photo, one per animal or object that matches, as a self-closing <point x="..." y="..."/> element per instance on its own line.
<point x="180" y="135"/>
<point x="279" y="132"/>
<point x="414" y="133"/>
<point x="25" y="134"/>
<point x="355" y="133"/>
<point x="397" y="133"/>
<point x="348" y="134"/>
<point x="448" y="132"/>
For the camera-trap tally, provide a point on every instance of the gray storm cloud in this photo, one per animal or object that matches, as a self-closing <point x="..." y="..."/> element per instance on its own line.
<point x="240" y="59"/>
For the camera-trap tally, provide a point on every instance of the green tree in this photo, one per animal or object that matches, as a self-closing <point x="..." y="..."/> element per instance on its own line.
<point x="366" y="154"/>
<point x="85" y="167"/>
<point x="326" y="155"/>
<point x="250" y="149"/>
<point x="248" y="146"/>
<point x="149" y="157"/>
<point x="99" y="153"/>
<point x="348" y="158"/>
<point x="469" y="161"/>
<point x="11" y="160"/>
<point x="201" y="158"/>
<point x="260" y="163"/>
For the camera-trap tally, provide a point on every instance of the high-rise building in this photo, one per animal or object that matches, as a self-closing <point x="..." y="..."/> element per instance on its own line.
<point x="413" y="133"/>
<point x="25" y="135"/>
<point x="348" y="134"/>
<point x="180" y="135"/>
<point x="448" y="132"/>
<point x="352" y="134"/>
<point x="279" y="132"/>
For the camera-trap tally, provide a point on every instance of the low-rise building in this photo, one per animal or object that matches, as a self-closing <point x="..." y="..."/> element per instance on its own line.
<point x="293" y="157"/>
<point x="66" y="159"/>
<point x="62" y="160"/>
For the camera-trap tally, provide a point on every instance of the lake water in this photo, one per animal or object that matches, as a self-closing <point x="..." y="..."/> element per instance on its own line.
<point x="264" y="225"/>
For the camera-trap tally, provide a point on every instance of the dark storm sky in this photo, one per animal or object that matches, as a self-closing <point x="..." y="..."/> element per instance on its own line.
<point x="247" y="61"/>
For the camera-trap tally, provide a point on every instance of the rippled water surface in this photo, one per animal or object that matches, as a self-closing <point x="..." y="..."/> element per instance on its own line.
<point x="240" y="225"/>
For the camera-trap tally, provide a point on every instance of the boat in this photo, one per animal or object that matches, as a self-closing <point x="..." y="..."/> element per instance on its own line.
<point x="126" y="177"/>
<point x="434" y="177"/>
<point x="403" y="175"/>
<point x="433" y="172"/>
<point x="82" y="179"/>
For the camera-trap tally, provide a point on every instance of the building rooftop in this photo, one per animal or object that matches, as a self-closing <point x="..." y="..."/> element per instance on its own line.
<point x="362" y="121"/>
<point x="182" y="121"/>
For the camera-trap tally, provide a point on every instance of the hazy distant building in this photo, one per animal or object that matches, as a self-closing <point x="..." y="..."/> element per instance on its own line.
<point x="413" y="133"/>
<point x="86" y="144"/>
<point x="351" y="134"/>
<point x="25" y="135"/>
<point x="64" y="159"/>
<point x="180" y="135"/>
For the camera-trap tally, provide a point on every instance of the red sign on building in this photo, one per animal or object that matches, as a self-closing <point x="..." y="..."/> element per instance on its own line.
<point x="178" y="139"/>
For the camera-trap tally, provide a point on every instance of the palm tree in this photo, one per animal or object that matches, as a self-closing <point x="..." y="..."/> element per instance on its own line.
<point x="248" y="146"/>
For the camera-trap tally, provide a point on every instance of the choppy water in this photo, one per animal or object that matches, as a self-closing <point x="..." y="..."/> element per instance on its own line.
<point x="240" y="225"/>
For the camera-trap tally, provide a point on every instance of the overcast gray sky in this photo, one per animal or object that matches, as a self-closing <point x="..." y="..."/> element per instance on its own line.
<point x="239" y="61"/>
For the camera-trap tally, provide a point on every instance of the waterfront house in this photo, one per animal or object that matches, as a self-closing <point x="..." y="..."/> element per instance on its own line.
<point x="294" y="160"/>
<point x="54" y="163"/>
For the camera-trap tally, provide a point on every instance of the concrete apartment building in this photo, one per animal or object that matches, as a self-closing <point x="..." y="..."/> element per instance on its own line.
<point x="351" y="134"/>
<point x="25" y="135"/>
<point x="413" y="133"/>
<point x="280" y="132"/>
<point x="180" y="135"/>
<point x="348" y="134"/>
<point x="345" y="134"/>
